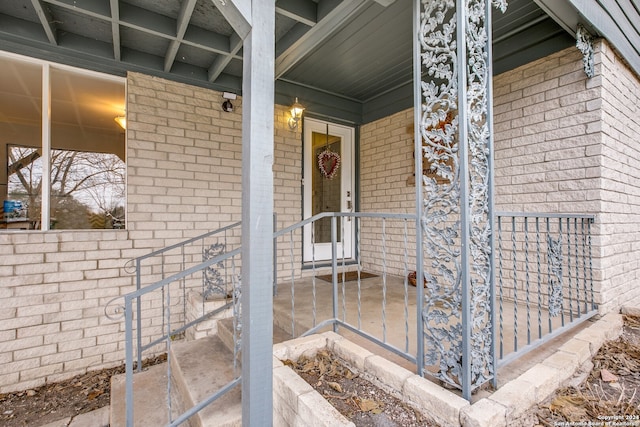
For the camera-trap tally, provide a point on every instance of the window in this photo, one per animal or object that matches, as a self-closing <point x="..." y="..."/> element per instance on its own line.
<point x="66" y="169"/>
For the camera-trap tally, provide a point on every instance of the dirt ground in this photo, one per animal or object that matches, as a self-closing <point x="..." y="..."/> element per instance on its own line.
<point x="357" y="399"/>
<point x="609" y="395"/>
<point x="55" y="401"/>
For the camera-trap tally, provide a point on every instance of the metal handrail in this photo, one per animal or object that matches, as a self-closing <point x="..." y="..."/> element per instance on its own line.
<point x="590" y="217"/>
<point x="321" y="215"/>
<point x="184" y="243"/>
<point x="335" y="319"/>
<point x="128" y="315"/>
<point x="164" y="282"/>
<point x="138" y="263"/>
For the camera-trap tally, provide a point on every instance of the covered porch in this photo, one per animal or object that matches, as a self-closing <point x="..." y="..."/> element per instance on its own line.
<point x="472" y="300"/>
<point x="372" y="302"/>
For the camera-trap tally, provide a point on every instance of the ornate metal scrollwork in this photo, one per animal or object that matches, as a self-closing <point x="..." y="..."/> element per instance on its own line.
<point x="584" y="43"/>
<point x="443" y="198"/>
<point x="554" y="258"/>
<point x="212" y="281"/>
<point x="114" y="310"/>
<point x="440" y="222"/>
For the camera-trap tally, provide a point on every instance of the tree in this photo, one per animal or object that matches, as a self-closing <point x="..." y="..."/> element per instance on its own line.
<point x="82" y="184"/>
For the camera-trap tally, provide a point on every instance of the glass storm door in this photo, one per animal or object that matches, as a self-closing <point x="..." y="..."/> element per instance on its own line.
<point x="328" y="187"/>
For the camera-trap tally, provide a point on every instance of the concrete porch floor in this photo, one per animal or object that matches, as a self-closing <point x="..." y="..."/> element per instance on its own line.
<point x="400" y="331"/>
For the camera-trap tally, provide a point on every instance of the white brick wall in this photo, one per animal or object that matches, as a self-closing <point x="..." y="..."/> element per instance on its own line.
<point x="619" y="179"/>
<point x="55" y="294"/>
<point x="184" y="178"/>
<point x="184" y="160"/>
<point x="386" y="163"/>
<point x="545" y="143"/>
<point x="566" y="143"/>
<point x="287" y="190"/>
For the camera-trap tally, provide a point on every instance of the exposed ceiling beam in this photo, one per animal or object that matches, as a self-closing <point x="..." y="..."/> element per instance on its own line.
<point x="221" y="61"/>
<point x="521" y="29"/>
<point x="316" y="35"/>
<point x="138" y="19"/>
<point x="184" y="17"/>
<point x="237" y="13"/>
<point x="46" y="20"/>
<point x="115" y="29"/>
<point x="304" y="11"/>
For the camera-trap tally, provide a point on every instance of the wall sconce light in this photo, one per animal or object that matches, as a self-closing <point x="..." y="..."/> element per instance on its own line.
<point x="122" y="121"/>
<point x="296" y="114"/>
<point x="227" y="105"/>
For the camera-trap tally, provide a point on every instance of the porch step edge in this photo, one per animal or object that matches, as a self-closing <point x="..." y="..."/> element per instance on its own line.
<point x="149" y="394"/>
<point x="199" y="368"/>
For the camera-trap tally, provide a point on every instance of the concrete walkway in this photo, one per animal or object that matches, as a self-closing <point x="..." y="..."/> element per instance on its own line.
<point x="97" y="418"/>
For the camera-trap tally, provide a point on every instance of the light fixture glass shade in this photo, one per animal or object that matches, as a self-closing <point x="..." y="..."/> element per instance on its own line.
<point x="296" y="114"/>
<point x="122" y="121"/>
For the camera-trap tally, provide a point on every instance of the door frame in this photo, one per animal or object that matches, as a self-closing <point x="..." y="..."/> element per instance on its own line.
<point x="322" y="251"/>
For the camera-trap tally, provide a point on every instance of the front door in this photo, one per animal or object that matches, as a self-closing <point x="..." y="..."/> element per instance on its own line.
<point x="328" y="187"/>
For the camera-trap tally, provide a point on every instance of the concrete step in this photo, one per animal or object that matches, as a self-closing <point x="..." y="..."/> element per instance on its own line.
<point x="200" y="368"/>
<point x="150" y="398"/>
<point x="225" y="333"/>
<point x="283" y="324"/>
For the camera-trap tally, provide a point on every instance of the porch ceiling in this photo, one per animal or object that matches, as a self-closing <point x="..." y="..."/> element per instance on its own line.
<point x="348" y="59"/>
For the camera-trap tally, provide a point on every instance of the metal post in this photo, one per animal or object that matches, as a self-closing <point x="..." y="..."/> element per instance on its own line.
<point x="461" y="48"/>
<point x="417" y="138"/>
<point x="128" y="338"/>
<point x="491" y="213"/>
<point x="45" y="183"/>
<point x="257" y="211"/>
<point x="139" y="315"/>
<point x="275" y="256"/>
<point x="334" y="269"/>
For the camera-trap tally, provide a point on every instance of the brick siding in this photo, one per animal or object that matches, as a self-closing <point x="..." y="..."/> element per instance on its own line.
<point x="386" y="173"/>
<point x="546" y="138"/>
<point x="619" y="180"/>
<point x="567" y="143"/>
<point x="184" y="158"/>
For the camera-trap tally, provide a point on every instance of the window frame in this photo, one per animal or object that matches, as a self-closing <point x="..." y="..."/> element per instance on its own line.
<point x="46" y="68"/>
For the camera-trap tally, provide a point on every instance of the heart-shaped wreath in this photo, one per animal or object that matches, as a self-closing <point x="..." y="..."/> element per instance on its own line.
<point x="328" y="162"/>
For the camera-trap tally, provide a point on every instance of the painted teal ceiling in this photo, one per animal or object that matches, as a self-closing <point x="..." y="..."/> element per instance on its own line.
<point x="347" y="59"/>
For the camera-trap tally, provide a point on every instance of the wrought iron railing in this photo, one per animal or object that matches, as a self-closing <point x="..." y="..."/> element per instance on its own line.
<point x="544" y="278"/>
<point x="387" y="252"/>
<point x="177" y="258"/>
<point x="543" y="284"/>
<point x="137" y="299"/>
<point x="209" y="265"/>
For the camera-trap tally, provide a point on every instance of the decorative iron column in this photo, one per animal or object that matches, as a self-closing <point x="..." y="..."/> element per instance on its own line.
<point x="455" y="140"/>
